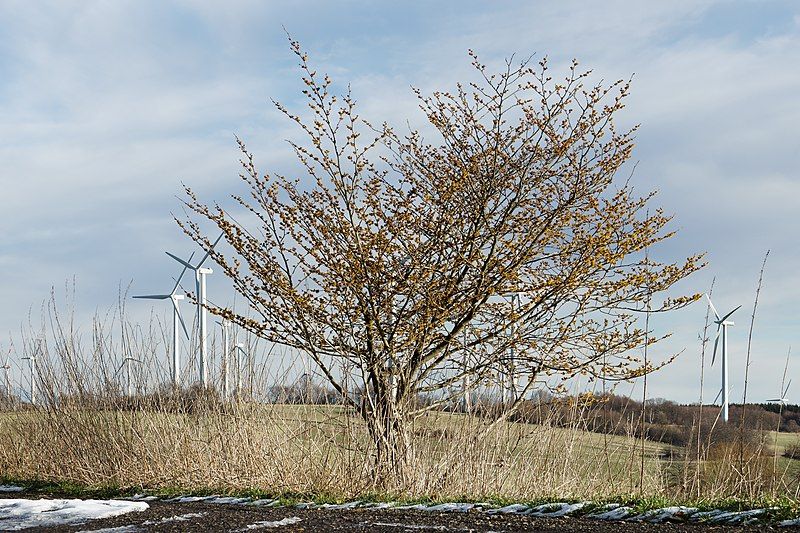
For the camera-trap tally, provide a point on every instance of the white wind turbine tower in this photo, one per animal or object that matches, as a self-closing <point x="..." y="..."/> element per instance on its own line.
<point x="7" y="367"/>
<point x="32" y="359"/>
<point x="200" y="284"/>
<point x="239" y="354"/>
<point x="226" y="360"/>
<point x="722" y="326"/>
<point x="175" y="298"/>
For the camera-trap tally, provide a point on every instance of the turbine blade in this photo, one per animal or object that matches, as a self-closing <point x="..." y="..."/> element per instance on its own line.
<point x="180" y="317"/>
<point x="153" y="296"/>
<point x="718" y="395"/>
<point x="714" y="309"/>
<point x="178" y="281"/>
<point x="179" y="260"/>
<point x="203" y="260"/>
<point x="197" y="295"/>
<point x="787" y="388"/>
<point x="729" y="314"/>
<point x="716" y="342"/>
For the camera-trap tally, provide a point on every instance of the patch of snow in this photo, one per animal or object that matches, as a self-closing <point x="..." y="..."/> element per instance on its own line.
<point x="273" y="524"/>
<point x="143" y="498"/>
<point x="176" y="518"/>
<point x="305" y="505"/>
<point x="10" y="488"/>
<point x="192" y="499"/>
<point x="417" y="507"/>
<point x="408" y="526"/>
<point x="613" y="512"/>
<point x="339" y="506"/>
<point x="704" y="516"/>
<point x="22" y="513"/>
<point x="556" y="509"/>
<point x="228" y="500"/>
<point x="451" y="507"/>
<point x="665" y="514"/>
<point x="377" y="506"/>
<point x="514" y="508"/>
<point x="266" y="502"/>
<point x="120" y="529"/>
<point x="789" y="523"/>
<point x="737" y="517"/>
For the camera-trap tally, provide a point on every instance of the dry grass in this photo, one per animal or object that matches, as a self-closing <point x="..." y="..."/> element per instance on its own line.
<point x="86" y="431"/>
<point x="305" y="449"/>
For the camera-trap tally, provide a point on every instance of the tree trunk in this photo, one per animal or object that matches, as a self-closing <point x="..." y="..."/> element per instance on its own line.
<point x="390" y="432"/>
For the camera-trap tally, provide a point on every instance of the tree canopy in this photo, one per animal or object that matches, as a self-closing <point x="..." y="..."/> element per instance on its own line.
<point x="505" y="243"/>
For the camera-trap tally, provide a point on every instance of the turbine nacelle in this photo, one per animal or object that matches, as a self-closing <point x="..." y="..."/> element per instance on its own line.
<point x="198" y="268"/>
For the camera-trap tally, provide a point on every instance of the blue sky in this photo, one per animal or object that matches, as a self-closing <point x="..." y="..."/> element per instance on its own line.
<point x="106" y="107"/>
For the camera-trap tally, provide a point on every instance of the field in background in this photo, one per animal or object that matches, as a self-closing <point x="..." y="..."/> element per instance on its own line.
<point x="324" y="451"/>
<point x="317" y="450"/>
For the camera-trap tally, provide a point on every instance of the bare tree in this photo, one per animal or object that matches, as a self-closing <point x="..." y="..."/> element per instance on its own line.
<point x="387" y="253"/>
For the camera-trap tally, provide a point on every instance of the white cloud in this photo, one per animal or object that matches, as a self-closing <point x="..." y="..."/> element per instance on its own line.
<point x="106" y="107"/>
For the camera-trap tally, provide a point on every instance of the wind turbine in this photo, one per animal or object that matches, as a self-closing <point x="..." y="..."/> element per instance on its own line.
<point x="239" y="354"/>
<point x="126" y="363"/>
<point x="174" y="297"/>
<point x="32" y="359"/>
<point x="200" y="274"/>
<point x="225" y="324"/>
<point x="7" y="367"/>
<point x="782" y="400"/>
<point x="722" y="326"/>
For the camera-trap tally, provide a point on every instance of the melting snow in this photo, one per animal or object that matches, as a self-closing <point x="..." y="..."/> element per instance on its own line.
<point x="20" y="514"/>
<point x="740" y="517"/>
<point x="788" y="523"/>
<point x="191" y="499"/>
<point x="451" y="507"/>
<point x="277" y="523"/>
<point x="418" y="507"/>
<point x="657" y="516"/>
<point x="264" y="503"/>
<point x="120" y="529"/>
<point x="10" y="488"/>
<point x="229" y="500"/>
<point x="408" y="526"/>
<point x="556" y="509"/>
<point x="612" y="512"/>
<point x="514" y="508"/>
<point x="339" y="507"/>
<point x="176" y="518"/>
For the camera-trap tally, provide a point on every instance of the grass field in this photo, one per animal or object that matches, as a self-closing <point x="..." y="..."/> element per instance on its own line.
<point x="323" y="450"/>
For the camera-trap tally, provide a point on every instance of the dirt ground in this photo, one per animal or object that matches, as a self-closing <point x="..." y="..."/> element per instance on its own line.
<point x="206" y="517"/>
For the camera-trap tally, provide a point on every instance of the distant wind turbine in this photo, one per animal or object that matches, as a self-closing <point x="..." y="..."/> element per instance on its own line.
<point x="32" y="359"/>
<point x="239" y="354"/>
<point x="174" y="297"/>
<point x="226" y="360"/>
<point x="722" y="327"/>
<point x="782" y="400"/>
<point x="7" y="367"/>
<point x="200" y="284"/>
<point x="127" y="364"/>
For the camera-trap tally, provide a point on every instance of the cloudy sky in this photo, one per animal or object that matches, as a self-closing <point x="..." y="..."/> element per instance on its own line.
<point x="106" y="107"/>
